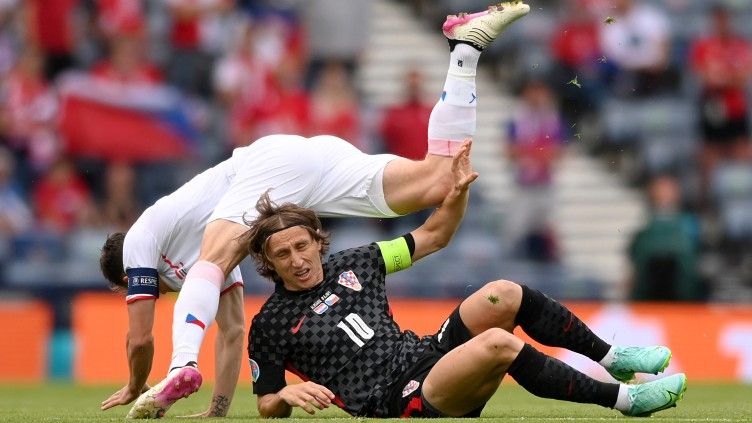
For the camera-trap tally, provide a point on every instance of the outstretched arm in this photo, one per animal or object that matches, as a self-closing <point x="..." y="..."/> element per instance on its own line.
<point x="140" y="347"/>
<point x="440" y="227"/>
<point x="306" y="395"/>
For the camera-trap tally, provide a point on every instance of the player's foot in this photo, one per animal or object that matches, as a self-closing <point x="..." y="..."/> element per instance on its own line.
<point x="179" y="383"/>
<point x="628" y="360"/>
<point x="647" y="398"/>
<point x="480" y="29"/>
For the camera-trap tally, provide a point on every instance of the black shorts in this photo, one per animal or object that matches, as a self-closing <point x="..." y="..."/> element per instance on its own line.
<point x="407" y="398"/>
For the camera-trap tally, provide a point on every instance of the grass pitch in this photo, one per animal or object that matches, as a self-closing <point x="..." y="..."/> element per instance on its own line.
<point x="70" y="403"/>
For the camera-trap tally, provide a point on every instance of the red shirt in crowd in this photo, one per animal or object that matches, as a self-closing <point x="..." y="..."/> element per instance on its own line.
<point x="724" y="65"/>
<point x="404" y="129"/>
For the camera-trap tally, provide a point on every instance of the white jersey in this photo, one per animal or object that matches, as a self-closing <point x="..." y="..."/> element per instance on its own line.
<point x="324" y="173"/>
<point x="167" y="236"/>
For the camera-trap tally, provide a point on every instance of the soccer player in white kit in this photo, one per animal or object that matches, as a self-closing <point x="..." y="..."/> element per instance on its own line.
<point x="329" y="176"/>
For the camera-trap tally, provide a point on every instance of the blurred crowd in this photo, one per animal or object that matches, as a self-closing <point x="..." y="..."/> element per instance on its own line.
<point x="659" y="89"/>
<point x="106" y="105"/>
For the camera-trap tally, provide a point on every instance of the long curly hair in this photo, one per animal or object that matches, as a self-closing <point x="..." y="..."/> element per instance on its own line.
<point x="273" y="218"/>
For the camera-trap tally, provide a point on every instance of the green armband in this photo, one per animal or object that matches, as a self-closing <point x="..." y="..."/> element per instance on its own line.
<point x="396" y="254"/>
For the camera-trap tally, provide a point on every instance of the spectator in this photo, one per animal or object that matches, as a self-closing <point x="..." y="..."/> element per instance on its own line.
<point x="334" y="106"/>
<point x="10" y="35"/>
<point x="241" y="80"/>
<point x="286" y="108"/>
<point x="126" y="63"/>
<point x="51" y="28"/>
<point x="15" y="216"/>
<point x="404" y="126"/>
<point x="664" y="252"/>
<point x="722" y="61"/>
<point x="731" y="183"/>
<point x="28" y="109"/>
<point x="636" y="43"/>
<point x="576" y="46"/>
<point x="336" y="31"/>
<point x="190" y="65"/>
<point x="62" y="200"/>
<point x="536" y="138"/>
<point x="120" y="206"/>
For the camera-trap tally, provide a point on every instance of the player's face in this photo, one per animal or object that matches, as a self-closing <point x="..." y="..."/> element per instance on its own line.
<point x="296" y="257"/>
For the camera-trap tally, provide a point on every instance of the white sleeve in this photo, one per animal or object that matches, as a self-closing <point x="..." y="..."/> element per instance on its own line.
<point x="140" y="257"/>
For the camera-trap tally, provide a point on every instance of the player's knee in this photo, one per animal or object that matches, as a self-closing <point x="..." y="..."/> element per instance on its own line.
<point x="502" y="301"/>
<point x="500" y="345"/>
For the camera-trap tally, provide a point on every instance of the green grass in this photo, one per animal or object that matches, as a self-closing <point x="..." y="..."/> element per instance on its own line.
<point x="69" y="403"/>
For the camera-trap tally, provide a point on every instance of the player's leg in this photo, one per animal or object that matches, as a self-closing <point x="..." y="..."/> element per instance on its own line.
<point x="504" y="304"/>
<point x="415" y="185"/>
<point x="466" y="377"/>
<point x="279" y="162"/>
<point x="552" y="323"/>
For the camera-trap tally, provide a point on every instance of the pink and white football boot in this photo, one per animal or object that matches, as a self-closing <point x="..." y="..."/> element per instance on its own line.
<point x="154" y="403"/>
<point x="481" y="28"/>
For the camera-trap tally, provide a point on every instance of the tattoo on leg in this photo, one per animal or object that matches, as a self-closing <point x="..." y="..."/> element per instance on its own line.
<point x="220" y="406"/>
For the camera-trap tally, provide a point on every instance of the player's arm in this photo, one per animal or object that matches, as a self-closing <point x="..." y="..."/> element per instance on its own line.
<point x="140" y="348"/>
<point x="229" y="350"/>
<point x="306" y="395"/>
<point x="143" y="289"/>
<point x="440" y="227"/>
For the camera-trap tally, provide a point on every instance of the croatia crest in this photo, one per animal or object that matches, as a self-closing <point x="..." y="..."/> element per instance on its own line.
<point x="349" y="280"/>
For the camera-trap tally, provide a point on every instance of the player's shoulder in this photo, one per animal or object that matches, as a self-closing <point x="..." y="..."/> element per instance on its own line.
<point x="364" y="262"/>
<point x="361" y="254"/>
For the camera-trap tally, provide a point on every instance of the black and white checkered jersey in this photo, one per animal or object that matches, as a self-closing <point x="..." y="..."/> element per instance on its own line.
<point x="340" y="334"/>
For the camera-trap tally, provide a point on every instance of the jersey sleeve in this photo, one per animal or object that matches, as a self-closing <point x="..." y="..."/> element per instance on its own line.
<point x="140" y="258"/>
<point x="266" y="360"/>
<point x="396" y="254"/>
<point x="143" y="284"/>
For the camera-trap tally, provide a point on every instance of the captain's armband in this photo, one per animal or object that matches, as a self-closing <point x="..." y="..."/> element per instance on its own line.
<point x="397" y="253"/>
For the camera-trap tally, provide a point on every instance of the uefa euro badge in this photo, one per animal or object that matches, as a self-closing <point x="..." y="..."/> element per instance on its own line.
<point x="255" y="371"/>
<point x="349" y="280"/>
<point x="410" y="388"/>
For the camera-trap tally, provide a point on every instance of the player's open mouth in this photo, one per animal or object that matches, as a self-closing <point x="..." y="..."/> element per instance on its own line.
<point x="303" y="274"/>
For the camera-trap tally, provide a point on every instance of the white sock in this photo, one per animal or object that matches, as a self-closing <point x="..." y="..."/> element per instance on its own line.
<point x="453" y="117"/>
<point x="609" y="358"/>
<point x="195" y="309"/>
<point x="622" y="399"/>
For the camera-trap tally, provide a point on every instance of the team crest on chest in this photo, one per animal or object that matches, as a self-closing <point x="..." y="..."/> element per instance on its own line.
<point x="349" y="280"/>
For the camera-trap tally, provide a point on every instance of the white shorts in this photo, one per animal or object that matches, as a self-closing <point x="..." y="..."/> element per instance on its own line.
<point x="324" y="173"/>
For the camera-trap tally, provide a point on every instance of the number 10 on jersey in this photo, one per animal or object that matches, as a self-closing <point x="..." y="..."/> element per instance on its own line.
<point x="356" y="329"/>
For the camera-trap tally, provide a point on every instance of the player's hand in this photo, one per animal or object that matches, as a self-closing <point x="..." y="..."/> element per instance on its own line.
<point x="124" y="395"/>
<point x="462" y="170"/>
<point x="307" y="395"/>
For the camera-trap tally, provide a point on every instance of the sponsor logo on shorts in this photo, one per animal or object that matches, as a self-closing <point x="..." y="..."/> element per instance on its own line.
<point x="255" y="371"/>
<point x="349" y="280"/>
<point x="410" y="388"/>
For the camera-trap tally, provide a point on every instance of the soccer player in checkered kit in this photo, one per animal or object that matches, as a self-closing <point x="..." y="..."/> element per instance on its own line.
<point x="329" y="322"/>
<point x="324" y="173"/>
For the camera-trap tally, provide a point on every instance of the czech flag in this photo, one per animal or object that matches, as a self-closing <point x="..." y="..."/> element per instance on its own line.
<point x="111" y="121"/>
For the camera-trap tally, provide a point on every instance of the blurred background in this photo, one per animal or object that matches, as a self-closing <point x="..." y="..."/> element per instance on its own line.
<point x="613" y="144"/>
